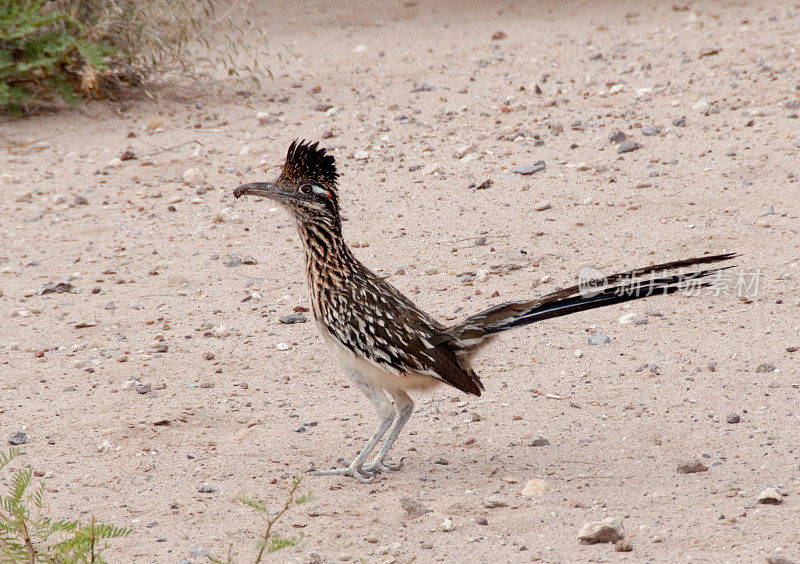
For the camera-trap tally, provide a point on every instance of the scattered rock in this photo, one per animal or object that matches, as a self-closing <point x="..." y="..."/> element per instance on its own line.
<point x="679" y="122"/>
<point x="692" y="467"/>
<point x="142" y="388"/>
<point x="463" y="151"/>
<point x="193" y="176"/>
<point x="733" y="418"/>
<point x="617" y="137"/>
<point x="599" y="339"/>
<point x="541" y="206"/>
<point x="538" y="441"/>
<point x="765" y="367"/>
<point x="447" y="525"/>
<point x="17" y="437"/>
<point x="627" y="319"/>
<point x="498" y="35"/>
<point x="361" y="155"/>
<point x="769" y="496"/>
<point x="105" y="446"/>
<point x="413" y="508"/>
<point x="482" y="186"/>
<point x="81" y="200"/>
<point x="530" y="169"/>
<point x="198" y="551"/>
<point x="493" y="502"/>
<point x="608" y="530"/>
<point x="534" y="488"/>
<point x="56" y="288"/>
<point x="313" y="558"/>
<point x="629" y="146"/>
<point x="205" y="488"/>
<point x="650" y="131"/>
<point x="293" y="318"/>
<point x="623" y="545"/>
<point x="127" y="155"/>
<point x="708" y="51"/>
<point x="424" y="87"/>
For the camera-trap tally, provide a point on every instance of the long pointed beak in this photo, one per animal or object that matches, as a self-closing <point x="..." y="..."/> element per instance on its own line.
<point x="265" y="189"/>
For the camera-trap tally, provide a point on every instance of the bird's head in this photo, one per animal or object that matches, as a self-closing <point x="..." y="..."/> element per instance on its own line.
<point x="306" y="187"/>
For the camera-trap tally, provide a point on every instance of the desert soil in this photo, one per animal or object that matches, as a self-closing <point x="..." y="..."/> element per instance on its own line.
<point x="162" y="370"/>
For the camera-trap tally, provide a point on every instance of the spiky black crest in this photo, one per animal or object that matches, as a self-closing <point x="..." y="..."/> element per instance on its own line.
<point x="310" y="162"/>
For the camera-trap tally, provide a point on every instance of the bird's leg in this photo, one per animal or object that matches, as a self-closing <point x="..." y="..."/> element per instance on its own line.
<point x="386" y="414"/>
<point x="404" y="406"/>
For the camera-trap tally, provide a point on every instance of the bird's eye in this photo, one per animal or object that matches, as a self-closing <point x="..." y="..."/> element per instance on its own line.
<point x="306" y="189"/>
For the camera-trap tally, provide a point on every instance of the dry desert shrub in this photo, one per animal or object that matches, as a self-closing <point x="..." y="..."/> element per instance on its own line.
<point x="94" y="48"/>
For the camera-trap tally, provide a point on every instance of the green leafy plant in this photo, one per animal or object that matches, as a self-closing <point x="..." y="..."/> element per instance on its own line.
<point x="270" y="541"/>
<point x="28" y="535"/>
<point x="43" y="49"/>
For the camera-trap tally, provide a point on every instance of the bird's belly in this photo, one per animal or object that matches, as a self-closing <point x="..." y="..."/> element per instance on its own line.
<point x="364" y="372"/>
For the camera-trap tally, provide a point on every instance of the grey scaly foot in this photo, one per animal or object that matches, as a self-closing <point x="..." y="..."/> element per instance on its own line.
<point x="382" y="466"/>
<point x="376" y="466"/>
<point x="353" y="470"/>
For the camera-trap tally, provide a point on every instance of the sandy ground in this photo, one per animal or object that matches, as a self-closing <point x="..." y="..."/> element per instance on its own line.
<point x="411" y="85"/>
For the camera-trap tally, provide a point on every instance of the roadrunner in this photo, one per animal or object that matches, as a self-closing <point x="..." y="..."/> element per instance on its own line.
<point x="383" y="342"/>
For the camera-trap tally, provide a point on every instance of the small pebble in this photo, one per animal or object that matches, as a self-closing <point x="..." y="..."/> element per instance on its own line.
<point x="193" y="176"/>
<point x="17" y="437"/>
<point x="733" y="418"/>
<point x="629" y="146"/>
<point x="493" y="502"/>
<point x="205" y="488"/>
<point x="769" y="496"/>
<point x="617" y="137"/>
<point x="530" y="169"/>
<point x="534" y="488"/>
<point x="538" y="441"/>
<point x="623" y="545"/>
<point x="692" y="467"/>
<point x="447" y="526"/>
<point x="198" y="551"/>
<point x="608" y="530"/>
<point x="293" y="318"/>
<point x="599" y="339"/>
<point x="650" y="131"/>
<point x="413" y="508"/>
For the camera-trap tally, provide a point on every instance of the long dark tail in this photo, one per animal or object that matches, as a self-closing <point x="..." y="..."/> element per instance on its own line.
<point x="622" y="287"/>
